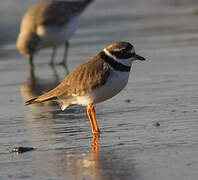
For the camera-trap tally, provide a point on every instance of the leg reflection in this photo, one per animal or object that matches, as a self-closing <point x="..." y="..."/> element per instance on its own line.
<point x="95" y="145"/>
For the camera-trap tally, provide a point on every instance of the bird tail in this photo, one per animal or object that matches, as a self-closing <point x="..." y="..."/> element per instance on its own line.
<point x="49" y="96"/>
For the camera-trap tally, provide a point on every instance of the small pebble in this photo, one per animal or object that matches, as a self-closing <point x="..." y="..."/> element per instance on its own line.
<point x="120" y="144"/>
<point x="188" y="164"/>
<point x="22" y="149"/>
<point x="156" y="124"/>
<point x="128" y="101"/>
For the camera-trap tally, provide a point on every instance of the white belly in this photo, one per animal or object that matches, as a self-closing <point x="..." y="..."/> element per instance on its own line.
<point x="115" y="83"/>
<point x="56" y="35"/>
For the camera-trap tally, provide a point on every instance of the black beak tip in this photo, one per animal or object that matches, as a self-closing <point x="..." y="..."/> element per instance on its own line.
<point x="140" y="58"/>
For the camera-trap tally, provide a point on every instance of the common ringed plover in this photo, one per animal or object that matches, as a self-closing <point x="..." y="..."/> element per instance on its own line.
<point x="98" y="79"/>
<point x="49" y="24"/>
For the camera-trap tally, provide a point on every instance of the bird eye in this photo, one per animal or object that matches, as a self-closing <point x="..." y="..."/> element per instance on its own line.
<point x="133" y="54"/>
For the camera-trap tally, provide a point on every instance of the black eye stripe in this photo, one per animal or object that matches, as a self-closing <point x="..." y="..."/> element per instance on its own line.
<point x="123" y="54"/>
<point x="114" y="64"/>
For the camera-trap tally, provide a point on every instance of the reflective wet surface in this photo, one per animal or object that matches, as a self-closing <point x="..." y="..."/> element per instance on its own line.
<point x="163" y="89"/>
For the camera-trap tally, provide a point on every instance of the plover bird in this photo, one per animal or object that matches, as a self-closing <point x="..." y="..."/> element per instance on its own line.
<point x="49" y="24"/>
<point x="98" y="79"/>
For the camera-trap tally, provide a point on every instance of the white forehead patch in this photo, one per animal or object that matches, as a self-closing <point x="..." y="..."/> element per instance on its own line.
<point x="118" y="49"/>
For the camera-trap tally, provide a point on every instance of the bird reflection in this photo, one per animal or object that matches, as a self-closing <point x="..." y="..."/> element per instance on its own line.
<point x="47" y="111"/>
<point x="76" y="164"/>
<point x="65" y="150"/>
<point x="98" y="165"/>
<point x="34" y="86"/>
<point x="84" y="165"/>
<point x="65" y="67"/>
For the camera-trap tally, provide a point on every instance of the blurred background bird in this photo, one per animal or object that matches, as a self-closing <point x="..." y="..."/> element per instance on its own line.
<point x="49" y="24"/>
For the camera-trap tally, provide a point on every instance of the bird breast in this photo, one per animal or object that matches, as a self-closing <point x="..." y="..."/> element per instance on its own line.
<point x="115" y="83"/>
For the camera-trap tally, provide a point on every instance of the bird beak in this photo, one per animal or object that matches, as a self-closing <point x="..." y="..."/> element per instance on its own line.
<point x="138" y="57"/>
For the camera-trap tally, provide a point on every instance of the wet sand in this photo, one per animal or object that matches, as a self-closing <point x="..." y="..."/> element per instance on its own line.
<point x="163" y="89"/>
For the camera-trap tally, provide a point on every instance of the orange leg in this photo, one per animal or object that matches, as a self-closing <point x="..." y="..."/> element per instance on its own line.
<point x="91" y="120"/>
<point x="94" y="118"/>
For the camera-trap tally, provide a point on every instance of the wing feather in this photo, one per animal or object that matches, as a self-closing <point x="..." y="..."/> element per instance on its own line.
<point x="59" y="12"/>
<point x="85" y="78"/>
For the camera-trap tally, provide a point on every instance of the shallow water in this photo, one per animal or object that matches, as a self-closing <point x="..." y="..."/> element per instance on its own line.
<point x="163" y="89"/>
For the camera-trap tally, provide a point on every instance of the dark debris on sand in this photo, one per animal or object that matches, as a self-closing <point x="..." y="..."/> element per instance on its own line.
<point x="156" y="124"/>
<point x="22" y="149"/>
